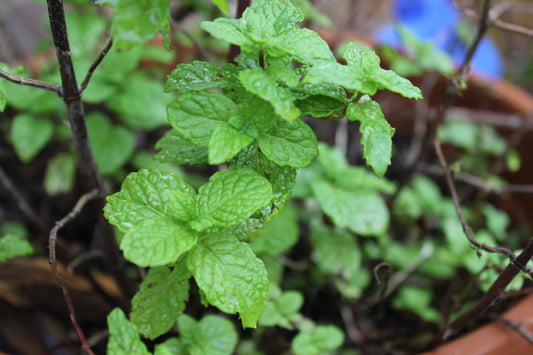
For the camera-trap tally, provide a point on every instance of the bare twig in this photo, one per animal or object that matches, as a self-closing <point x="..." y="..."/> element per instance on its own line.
<point x="195" y="43"/>
<point x="493" y="293"/>
<point x="14" y="194"/>
<point x="30" y="82"/>
<point x="95" y="64"/>
<point x="52" y="260"/>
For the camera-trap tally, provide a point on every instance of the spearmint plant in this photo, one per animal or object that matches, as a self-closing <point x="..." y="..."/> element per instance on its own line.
<point x="249" y="118"/>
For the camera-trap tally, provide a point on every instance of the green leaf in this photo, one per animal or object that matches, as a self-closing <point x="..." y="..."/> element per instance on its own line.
<point x="229" y="197"/>
<point x="171" y="346"/>
<point x="179" y="151"/>
<point x="29" y="134"/>
<point x="320" y="106"/>
<point x="143" y="195"/>
<point x="182" y="205"/>
<point x="112" y="145"/>
<point x="280" y="14"/>
<point x="59" y="175"/>
<point x="140" y="102"/>
<point x="318" y="340"/>
<point x="387" y="79"/>
<point x="289" y="144"/>
<point x="124" y="338"/>
<point x="12" y="245"/>
<point x="231" y="276"/>
<point x="160" y="300"/>
<point x="376" y="133"/>
<point x="257" y="82"/>
<point x="361" y="211"/>
<point x="222" y="5"/>
<point x="256" y="116"/>
<point x="280" y="310"/>
<point x="212" y="335"/>
<point x="305" y="45"/>
<point x="136" y="21"/>
<point x="351" y="78"/>
<point x="225" y="143"/>
<point x="278" y="235"/>
<point x="196" y="76"/>
<point x="227" y="30"/>
<point x="335" y="251"/>
<point x="157" y="241"/>
<point x="196" y="115"/>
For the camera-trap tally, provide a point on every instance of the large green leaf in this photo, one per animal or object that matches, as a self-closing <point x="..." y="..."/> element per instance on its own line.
<point x="124" y="337"/>
<point x="143" y="195"/>
<point x="289" y="144"/>
<point x="257" y="82"/>
<point x="375" y="131"/>
<point x="225" y="143"/>
<point x="304" y="44"/>
<point x="361" y="211"/>
<point x="212" y="335"/>
<point x="229" y="197"/>
<point x="160" y="300"/>
<point x="112" y="145"/>
<point x="231" y="276"/>
<point x="136" y="21"/>
<point x="196" y="115"/>
<point x="157" y="241"/>
<point x="29" y="134"/>
<point x="177" y="150"/>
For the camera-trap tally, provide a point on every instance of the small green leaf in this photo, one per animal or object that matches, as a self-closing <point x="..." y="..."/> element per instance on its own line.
<point x="318" y="340"/>
<point x="59" y="175"/>
<point x="361" y="211"/>
<point x="171" y="346"/>
<point x="136" y="21"/>
<point x="222" y="5"/>
<point x="29" y="134"/>
<point x="12" y="245"/>
<point x="112" y="145"/>
<point x="179" y="151"/>
<point x="376" y="133"/>
<point x="257" y="82"/>
<point x="229" y="197"/>
<point x="212" y="335"/>
<point x="387" y="79"/>
<point x="278" y="235"/>
<point x="195" y="76"/>
<point x="227" y="30"/>
<point x="280" y="310"/>
<point x="157" y="241"/>
<point x="160" y="300"/>
<point x="256" y="116"/>
<point x="512" y="159"/>
<point x="143" y="195"/>
<point x="289" y="144"/>
<point x="196" y="115"/>
<point x="231" y="276"/>
<point x="124" y="337"/>
<point x="280" y="14"/>
<point x="305" y="45"/>
<point x="225" y="143"/>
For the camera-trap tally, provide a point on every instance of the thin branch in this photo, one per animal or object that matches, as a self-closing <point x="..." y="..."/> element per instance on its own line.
<point x="52" y="260"/>
<point x="195" y="43"/>
<point x="14" y="194"/>
<point x="493" y="293"/>
<point x="95" y="65"/>
<point x="30" y="82"/>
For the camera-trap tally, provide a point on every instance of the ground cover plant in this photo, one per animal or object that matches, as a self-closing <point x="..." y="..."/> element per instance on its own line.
<point x="228" y="210"/>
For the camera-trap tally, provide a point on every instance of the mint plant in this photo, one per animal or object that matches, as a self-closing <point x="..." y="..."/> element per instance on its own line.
<point x="248" y="116"/>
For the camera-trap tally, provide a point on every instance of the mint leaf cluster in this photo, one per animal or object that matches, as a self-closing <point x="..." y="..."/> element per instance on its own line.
<point x="250" y="117"/>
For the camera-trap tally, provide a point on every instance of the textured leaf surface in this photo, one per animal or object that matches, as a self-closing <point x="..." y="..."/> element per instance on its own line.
<point x="196" y="115"/>
<point x="289" y="144"/>
<point x="318" y="340"/>
<point x="160" y="300"/>
<point x="227" y="30"/>
<point x="229" y="197"/>
<point x="123" y="336"/>
<point x="112" y="146"/>
<point x="225" y="143"/>
<point x="177" y="150"/>
<point x="280" y="14"/>
<point x="304" y="44"/>
<point x="195" y="76"/>
<point x="136" y="21"/>
<point x="212" y="335"/>
<point x="231" y="276"/>
<point x="157" y="241"/>
<point x="257" y="82"/>
<point x="376" y="134"/>
<point x="255" y="116"/>
<point x="361" y="211"/>
<point x="29" y="134"/>
<point x="143" y="195"/>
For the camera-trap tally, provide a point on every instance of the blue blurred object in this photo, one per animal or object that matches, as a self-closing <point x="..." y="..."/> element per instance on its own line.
<point x="436" y="21"/>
